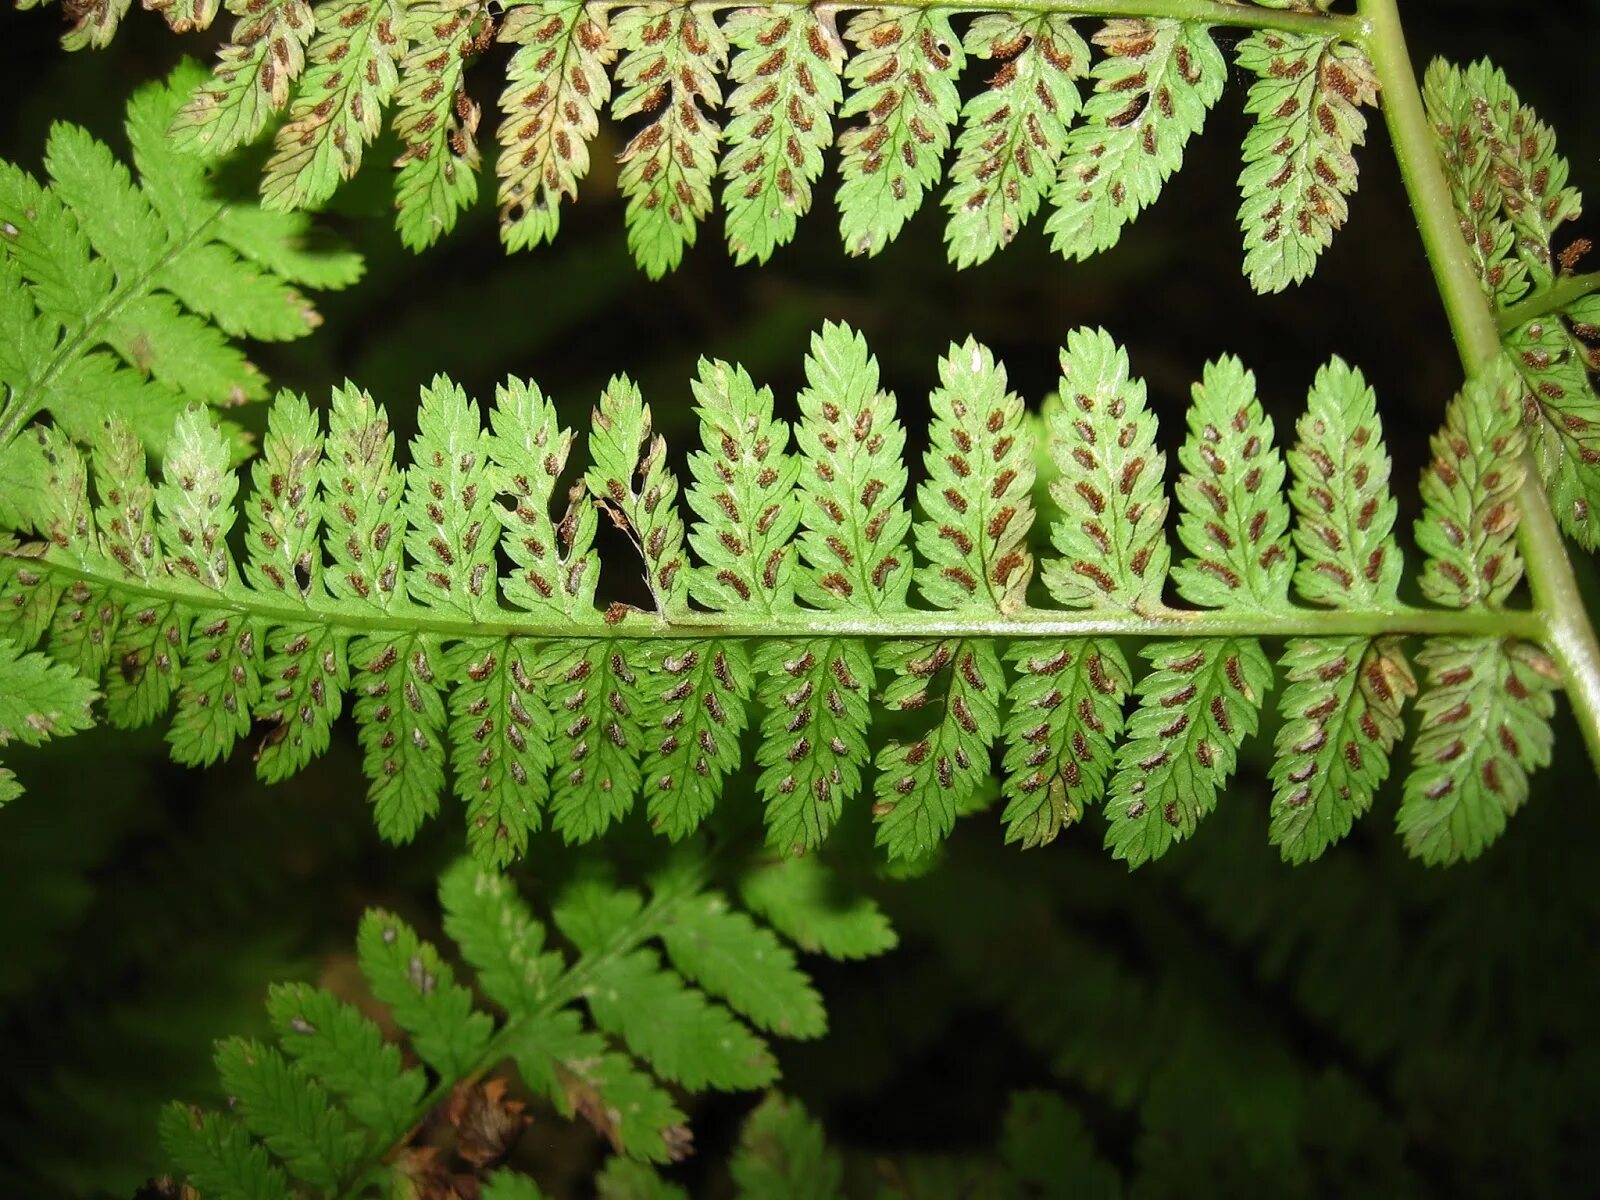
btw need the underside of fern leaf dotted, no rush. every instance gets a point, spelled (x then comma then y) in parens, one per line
(880, 84)
(887, 657)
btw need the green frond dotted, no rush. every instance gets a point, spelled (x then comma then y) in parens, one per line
(1342, 706)
(1108, 484)
(1196, 707)
(1469, 167)
(923, 784)
(1470, 515)
(1013, 132)
(785, 602)
(1565, 436)
(39, 700)
(976, 502)
(1485, 728)
(903, 83)
(853, 520)
(742, 493)
(783, 1155)
(435, 119)
(219, 1156)
(123, 293)
(787, 87)
(1233, 519)
(337, 109)
(556, 85)
(282, 1104)
(1062, 728)
(672, 55)
(633, 485)
(816, 697)
(806, 901)
(1152, 90)
(1299, 168)
(255, 71)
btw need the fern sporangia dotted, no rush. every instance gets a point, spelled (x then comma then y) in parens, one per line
(880, 83)
(802, 593)
(125, 293)
(600, 1010)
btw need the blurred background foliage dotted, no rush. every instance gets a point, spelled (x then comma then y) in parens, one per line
(1218, 1024)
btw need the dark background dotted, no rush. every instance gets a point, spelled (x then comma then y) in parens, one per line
(1225, 1024)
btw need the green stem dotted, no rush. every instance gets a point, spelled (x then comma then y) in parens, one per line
(1570, 636)
(1567, 290)
(353, 619)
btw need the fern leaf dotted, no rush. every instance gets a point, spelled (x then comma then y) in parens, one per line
(782, 1153)
(672, 55)
(1233, 519)
(976, 501)
(252, 80)
(348, 1054)
(595, 696)
(786, 76)
(556, 85)
(218, 1154)
(922, 785)
(1485, 728)
(556, 569)
(94, 24)
(696, 694)
(408, 975)
(500, 738)
(1195, 709)
(1152, 91)
(1108, 484)
(815, 697)
(498, 936)
(853, 521)
(731, 957)
(280, 1103)
(1469, 167)
(1061, 731)
(39, 700)
(1469, 524)
(195, 503)
(1013, 132)
(687, 1039)
(631, 481)
(1566, 432)
(1342, 706)
(1528, 176)
(122, 296)
(1299, 170)
(435, 119)
(903, 82)
(743, 495)
(182, 16)
(338, 107)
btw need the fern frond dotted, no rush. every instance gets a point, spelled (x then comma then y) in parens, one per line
(1152, 91)
(782, 1152)
(1013, 132)
(39, 699)
(1563, 408)
(435, 119)
(124, 295)
(1299, 168)
(788, 87)
(328, 1103)
(1342, 708)
(672, 55)
(904, 85)
(786, 601)
(556, 85)
(886, 93)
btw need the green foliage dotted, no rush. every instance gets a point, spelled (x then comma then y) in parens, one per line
(125, 294)
(328, 1104)
(362, 578)
(883, 87)
(1299, 169)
